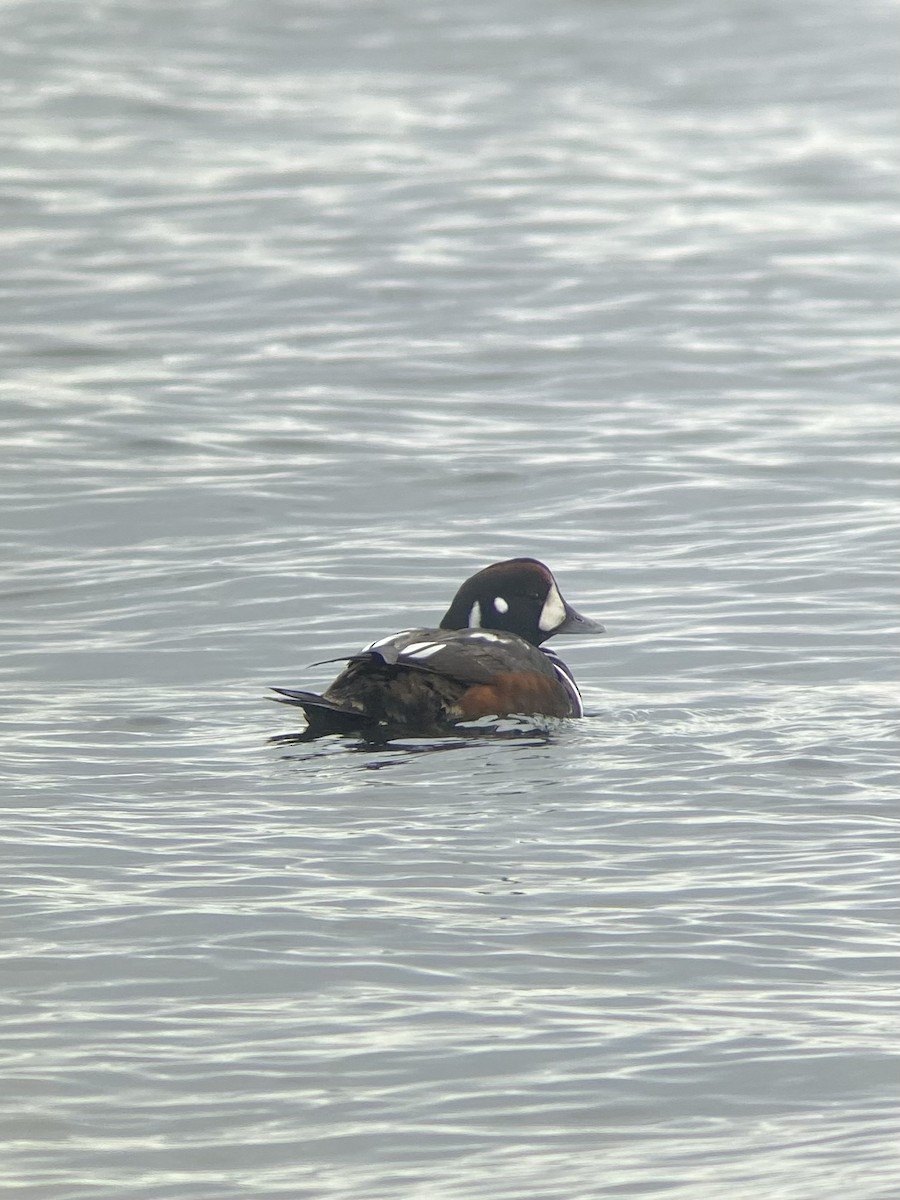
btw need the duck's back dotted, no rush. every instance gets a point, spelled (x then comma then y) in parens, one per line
(426, 679)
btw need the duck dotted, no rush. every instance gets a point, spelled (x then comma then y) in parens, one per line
(485, 659)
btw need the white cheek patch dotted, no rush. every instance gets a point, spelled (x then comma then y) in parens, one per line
(501, 605)
(554, 611)
(475, 616)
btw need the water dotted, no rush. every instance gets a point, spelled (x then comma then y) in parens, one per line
(309, 312)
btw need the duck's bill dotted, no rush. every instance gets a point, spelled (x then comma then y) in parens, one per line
(576, 623)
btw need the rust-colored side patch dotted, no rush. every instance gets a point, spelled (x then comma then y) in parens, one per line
(511, 692)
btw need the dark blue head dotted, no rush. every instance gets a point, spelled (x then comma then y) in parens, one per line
(519, 596)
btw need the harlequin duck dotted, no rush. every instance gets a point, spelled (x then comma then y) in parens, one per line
(484, 660)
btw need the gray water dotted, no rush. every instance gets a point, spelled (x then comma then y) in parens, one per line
(309, 311)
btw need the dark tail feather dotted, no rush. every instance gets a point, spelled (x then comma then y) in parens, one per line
(296, 696)
(323, 716)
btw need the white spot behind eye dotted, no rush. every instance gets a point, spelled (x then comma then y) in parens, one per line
(501, 605)
(475, 616)
(554, 611)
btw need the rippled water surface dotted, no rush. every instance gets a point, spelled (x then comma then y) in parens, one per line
(310, 310)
